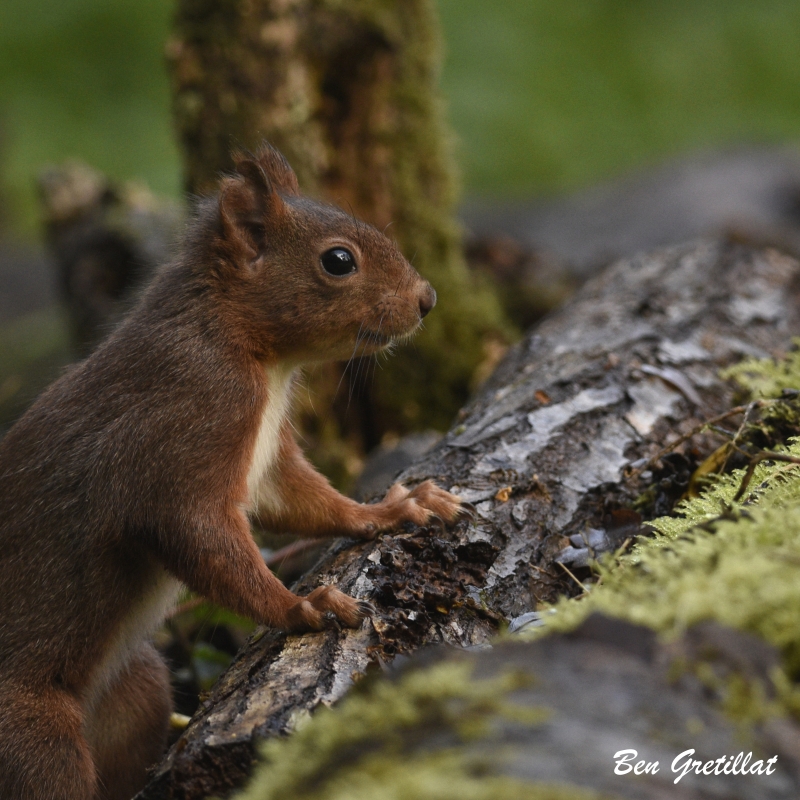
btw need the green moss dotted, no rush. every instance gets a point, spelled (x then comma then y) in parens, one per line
(365, 748)
(767, 377)
(716, 558)
(742, 574)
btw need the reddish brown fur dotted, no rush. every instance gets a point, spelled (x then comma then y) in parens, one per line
(132, 471)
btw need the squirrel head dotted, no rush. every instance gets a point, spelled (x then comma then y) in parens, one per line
(305, 280)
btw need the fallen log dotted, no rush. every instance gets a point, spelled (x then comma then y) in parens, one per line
(553, 452)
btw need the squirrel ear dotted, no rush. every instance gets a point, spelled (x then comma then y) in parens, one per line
(250, 199)
(247, 201)
(241, 212)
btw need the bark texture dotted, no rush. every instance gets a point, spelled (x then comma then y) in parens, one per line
(348, 91)
(544, 451)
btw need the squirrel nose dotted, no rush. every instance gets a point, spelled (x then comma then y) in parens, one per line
(427, 301)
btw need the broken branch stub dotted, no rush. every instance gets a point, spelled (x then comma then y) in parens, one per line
(544, 453)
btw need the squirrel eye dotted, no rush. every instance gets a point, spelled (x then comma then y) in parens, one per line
(338, 261)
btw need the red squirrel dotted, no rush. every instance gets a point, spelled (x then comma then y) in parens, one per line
(140, 469)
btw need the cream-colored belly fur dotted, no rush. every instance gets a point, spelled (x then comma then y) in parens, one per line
(261, 492)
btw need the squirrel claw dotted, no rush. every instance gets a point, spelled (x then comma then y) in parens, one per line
(331, 621)
(366, 608)
(435, 521)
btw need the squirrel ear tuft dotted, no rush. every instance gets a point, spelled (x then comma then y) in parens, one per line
(277, 169)
(254, 174)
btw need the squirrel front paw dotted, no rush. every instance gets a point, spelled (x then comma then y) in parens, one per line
(327, 607)
(423, 505)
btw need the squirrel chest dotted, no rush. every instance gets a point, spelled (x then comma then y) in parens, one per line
(261, 491)
(161, 591)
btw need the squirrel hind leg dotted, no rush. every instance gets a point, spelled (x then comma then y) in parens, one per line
(129, 726)
(43, 753)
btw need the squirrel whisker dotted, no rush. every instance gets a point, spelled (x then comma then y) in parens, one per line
(349, 360)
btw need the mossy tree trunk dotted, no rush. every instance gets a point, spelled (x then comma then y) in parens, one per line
(347, 89)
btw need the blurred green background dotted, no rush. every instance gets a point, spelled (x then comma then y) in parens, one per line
(544, 96)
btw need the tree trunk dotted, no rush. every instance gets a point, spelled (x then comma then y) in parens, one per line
(544, 452)
(348, 91)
